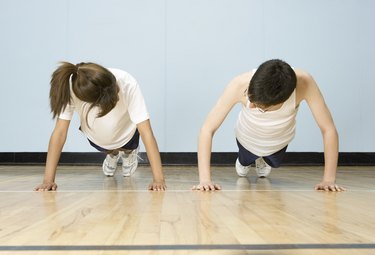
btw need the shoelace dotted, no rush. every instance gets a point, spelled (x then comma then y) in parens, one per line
(131, 157)
(113, 159)
(261, 165)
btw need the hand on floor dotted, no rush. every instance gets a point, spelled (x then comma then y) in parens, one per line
(329, 186)
(157, 186)
(46, 187)
(206, 186)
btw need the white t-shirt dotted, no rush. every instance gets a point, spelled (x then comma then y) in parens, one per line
(117, 127)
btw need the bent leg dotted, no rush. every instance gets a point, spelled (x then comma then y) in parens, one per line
(274, 160)
(245, 157)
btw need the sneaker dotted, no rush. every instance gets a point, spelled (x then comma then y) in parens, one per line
(129, 162)
(262, 168)
(110, 164)
(241, 170)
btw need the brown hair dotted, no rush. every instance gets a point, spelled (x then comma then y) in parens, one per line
(273, 83)
(90, 82)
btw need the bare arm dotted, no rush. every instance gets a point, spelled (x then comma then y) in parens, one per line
(153, 155)
(55, 147)
(233, 94)
(322, 116)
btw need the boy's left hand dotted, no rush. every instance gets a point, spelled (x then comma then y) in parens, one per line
(329, 186)
(157, 186)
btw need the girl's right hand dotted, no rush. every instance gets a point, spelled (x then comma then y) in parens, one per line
(157, 186)
(46, 187)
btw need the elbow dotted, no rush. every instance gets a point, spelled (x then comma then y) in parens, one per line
(331, 133)
(59, 137)
(206, 131)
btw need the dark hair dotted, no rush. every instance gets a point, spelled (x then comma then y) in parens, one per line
(273, 83)
(91, 83)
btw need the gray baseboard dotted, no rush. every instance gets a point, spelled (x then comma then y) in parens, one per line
(186, 158)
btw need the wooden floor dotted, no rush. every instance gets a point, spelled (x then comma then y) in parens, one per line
(93, 214)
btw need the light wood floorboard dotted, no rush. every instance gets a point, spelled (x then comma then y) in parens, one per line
(93, 214)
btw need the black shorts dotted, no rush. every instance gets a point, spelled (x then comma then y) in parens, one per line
(246, 158)
(131, 145)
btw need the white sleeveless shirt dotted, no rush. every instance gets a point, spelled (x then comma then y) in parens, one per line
(266, 133)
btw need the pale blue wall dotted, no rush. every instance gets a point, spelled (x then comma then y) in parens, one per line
(183, 53)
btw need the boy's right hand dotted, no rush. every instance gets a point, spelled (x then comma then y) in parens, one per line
(46, 187)
(206, 186)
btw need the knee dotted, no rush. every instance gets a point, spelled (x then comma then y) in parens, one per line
(271, 163)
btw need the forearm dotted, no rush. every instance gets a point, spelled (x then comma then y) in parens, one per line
(204, 155)
(153, 155)
(331, 145)
(54, 151)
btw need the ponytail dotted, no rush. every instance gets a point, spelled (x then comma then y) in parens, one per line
(59, 94)
(90, 83)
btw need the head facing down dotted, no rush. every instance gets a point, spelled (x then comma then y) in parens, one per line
(91, 83)
(272, 83)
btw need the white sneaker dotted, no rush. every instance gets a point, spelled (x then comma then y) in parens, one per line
(129, 162)
(110, 164)
(262, 168)
(241, 170)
